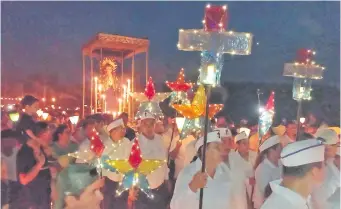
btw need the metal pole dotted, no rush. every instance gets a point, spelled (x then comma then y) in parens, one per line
(298, 116)
(91, 80)
(208, 94)
(83, 97)
(147, 70)
(132, 84)
(122, 65)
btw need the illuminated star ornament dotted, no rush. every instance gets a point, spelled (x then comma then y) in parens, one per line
(94, 153)
(179, 84)
(195, 112)
(197, 107)
(179, 88)
(149, 100)
(214, 41)
(266, 117)
(135, 170)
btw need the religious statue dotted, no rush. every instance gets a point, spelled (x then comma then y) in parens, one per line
(108, 76)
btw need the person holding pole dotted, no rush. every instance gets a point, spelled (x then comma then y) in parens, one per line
(215, 180)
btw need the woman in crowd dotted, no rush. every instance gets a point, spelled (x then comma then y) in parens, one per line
(267, 168)
(62, 145)
(34, 173)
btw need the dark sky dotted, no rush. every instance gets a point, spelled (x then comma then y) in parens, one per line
(40, 35)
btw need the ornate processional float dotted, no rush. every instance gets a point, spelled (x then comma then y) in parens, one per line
(107, 88)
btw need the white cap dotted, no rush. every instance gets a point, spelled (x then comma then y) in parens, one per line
(269, 143)
(114, 124)
(327, 136)
(211, 137)
(246, 130)
(147, 115)
(302, 153)
(224, 132)
(240, 136)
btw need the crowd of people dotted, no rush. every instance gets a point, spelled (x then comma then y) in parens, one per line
(284, 171)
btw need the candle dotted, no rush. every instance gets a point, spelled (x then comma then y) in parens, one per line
(120, 105)
(96, 88)
(124, 97)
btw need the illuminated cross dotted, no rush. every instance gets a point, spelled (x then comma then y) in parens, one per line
(304, 70)
(213, 41)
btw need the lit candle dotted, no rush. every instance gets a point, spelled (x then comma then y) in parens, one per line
(96, 94)
(119, 104)
(124, 96)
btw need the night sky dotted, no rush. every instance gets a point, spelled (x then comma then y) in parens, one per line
(49, 35)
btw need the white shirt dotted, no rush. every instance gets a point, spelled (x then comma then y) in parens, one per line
(168, 142)
(185, 155)
(264, 174)
(284, 198)
(329, 186)
(84, 152)
(119, 150)
(11, 162)
(242, 170)
(154, 149)
(216, 192)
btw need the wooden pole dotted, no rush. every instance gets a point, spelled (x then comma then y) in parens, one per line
(203, 166)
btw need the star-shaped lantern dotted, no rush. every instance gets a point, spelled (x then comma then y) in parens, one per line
(149, 94)
(179, 88)
(135, 170)
(149, 100)
(179, 84)
(266, 117)
(93, 154)
(197, 107)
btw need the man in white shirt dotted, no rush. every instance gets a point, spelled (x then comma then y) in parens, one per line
(215, 181)
(116, 147)
(152, 147)
(330, 185)
(303, 170)
(243, 160)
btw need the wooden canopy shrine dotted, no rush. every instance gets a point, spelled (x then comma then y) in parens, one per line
(116, 46)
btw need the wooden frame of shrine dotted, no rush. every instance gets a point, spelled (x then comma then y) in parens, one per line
(115, 46)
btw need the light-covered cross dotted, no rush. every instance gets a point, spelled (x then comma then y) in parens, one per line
(214, 41)
(304, 70)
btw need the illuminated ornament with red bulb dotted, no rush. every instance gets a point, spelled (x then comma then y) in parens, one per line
(96, 145)
(179, 88)
(213, 41)
(135, 170)
(266, 117)
(304, 70)
(195, 113)
(149, 100)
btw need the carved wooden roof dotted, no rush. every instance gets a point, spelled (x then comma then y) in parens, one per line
(124, 45)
